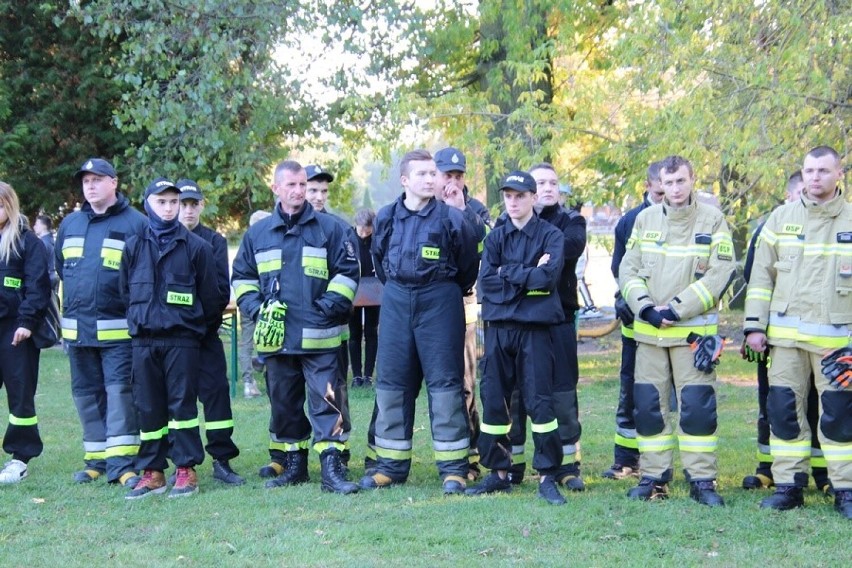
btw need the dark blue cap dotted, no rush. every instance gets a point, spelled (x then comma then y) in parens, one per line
(316, 172)
(97, 166)
(450, 160)
(189, 190)
(519, 181)
(159, 186)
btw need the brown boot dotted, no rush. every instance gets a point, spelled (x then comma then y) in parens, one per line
(186, 483)
(152, 483)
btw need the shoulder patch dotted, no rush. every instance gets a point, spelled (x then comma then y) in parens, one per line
(792, 229)
(349, 247)
(652, 235)
(845, 237)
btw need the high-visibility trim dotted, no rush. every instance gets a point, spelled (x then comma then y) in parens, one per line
(827, 249)
(633, 283)
(570, 453)
(69, 328)
(627, 332)
(116, 451)
(818, 461)
(320, 447)
(544, 428)
(87, 456)
(825, 335)
(315, 262)
(183, 424)
(703, 294)
(268, 261)
(289, 446)
(674, 332)
(219, 424)
(451, 455)
(129, 440)
(393, 444)
(790, 449)
(370, 453)
(495, 429)
(764, 453)
(699, 444)
(517, 450)
(721, 238)
(661, 443)
(463, 444)
(344, 286)
(94, 446)
(155, 435)
(245, 286)
(111, 253)
(393, 454)
(763, 294)
(538, 292)
(674, 251)
(626, 442)
(23, 420)
(12, 282)
(73, 247)
(113, 330)
(314, 338)
(837, 453)
(179, 298)
(430, 253)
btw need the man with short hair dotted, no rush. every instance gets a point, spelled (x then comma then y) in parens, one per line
(295, 275)
(679, 261)
(519, 278)
(799, 308)
(213, 388)
(425, 254)
(625, 448)
(43, 228)
(88, 252)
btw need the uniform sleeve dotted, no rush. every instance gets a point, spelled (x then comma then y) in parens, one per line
(468, 237)
(749, 261)
(220, 258)
(59, 260)
(544, 277)
(703, 294)
(245, 279)
(36, 285)
(762, 278)
(631, 280)
(622, 233)
(344, 274)
(575, 236)
(492, 287)
(207, 286)
(378, 246)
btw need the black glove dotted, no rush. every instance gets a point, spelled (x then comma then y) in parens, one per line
(652, 316)
(706, 349)
(669, 314)
(622, 310)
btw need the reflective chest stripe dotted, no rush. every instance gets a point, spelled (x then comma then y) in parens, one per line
(111, 253)
(107, 330)
(825, 335)
(268, 261)
(73, 247)
(315, 262)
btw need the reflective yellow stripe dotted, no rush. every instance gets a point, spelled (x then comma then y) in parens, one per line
(344, 286)
(636, 283)
(627, 332)
(155, 435)
(662, 443)
(268, 261)
(19, 421)
(495, 429)
(626, 442)
(289, 446)
(219, 424)
(73, 247)
(115, 451)
(818, 461)
(94, 455)
(701, 444)
(451, 455)
(703, 294)
(244, 286)
(111, 258)
(837, 452)
(183, 424)
(544, 428)
(674, 332)
(790, 449)
(764, 294)
(674, 251)
(320, 447)
(321, 338)
(393, 454)
(315, 267)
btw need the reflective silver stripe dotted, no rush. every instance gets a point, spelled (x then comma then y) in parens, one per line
(73, 242)
(402, 445)
(626, 432)
(345, 281)
(451, 446)
(817, 453)
(275, 438)
(67, 323)
(122, 441)
(569, 449)
(237, 283)
(114, 244)
(698, 321)
(268, 255)
(328, 333)
(764, 449)
(94, 446)
(112, 324)
(807, 328)
(518, 450)
(315, 252)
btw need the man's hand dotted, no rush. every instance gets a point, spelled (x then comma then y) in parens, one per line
(659, 316)
(545, 258)
(21, 335)
(756, 341)
(454, 196)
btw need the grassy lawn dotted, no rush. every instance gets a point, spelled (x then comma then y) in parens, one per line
(48, 520)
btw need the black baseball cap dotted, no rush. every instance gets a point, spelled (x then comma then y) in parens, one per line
(189, 190)
(97, 166)
(316, 172)
(450, 160)
(519, 181)
(159, 186)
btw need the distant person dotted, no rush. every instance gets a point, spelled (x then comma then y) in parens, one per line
(364, 323)
(43, 228)
(248, 361)
(24, 296)
(89, 246)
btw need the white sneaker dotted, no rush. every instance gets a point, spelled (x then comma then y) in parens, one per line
(13, 472)
(250, 390)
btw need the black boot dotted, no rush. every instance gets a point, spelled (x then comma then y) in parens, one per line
(843, 503)
(704, 492)
(820, 475)
(295, 471)
(785, 497)
(649, 490)
(516, 473)
(333, 478)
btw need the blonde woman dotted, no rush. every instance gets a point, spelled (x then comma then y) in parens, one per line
(24, 294)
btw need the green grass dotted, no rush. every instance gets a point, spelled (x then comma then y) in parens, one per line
(48, 520)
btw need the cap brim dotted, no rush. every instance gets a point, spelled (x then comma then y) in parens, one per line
(517, 188)
(322, 176)
(451, 168)
(189, 194)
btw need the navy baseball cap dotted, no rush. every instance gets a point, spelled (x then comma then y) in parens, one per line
(97, 166)
(316, 172)
(159, 186)
(519, 181)
(450, 160)
(189, 190)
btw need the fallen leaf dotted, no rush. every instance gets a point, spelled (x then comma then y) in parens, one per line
(38, 500)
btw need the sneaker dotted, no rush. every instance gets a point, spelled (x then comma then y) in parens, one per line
(591, 313)
(621, 471)
(548, 490)
(649, 490)
(129, 479)
(786, 497)
(222, 472)
(454, 485)
(573, 482)
(186, 484)
(151, 483)
(704, 492)
(13, 472)
(491, 483)
(273, 469)
(250, 389)
(357, 381)
(87, 475)
(758, 481)
(843, 503)
(376, 481)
